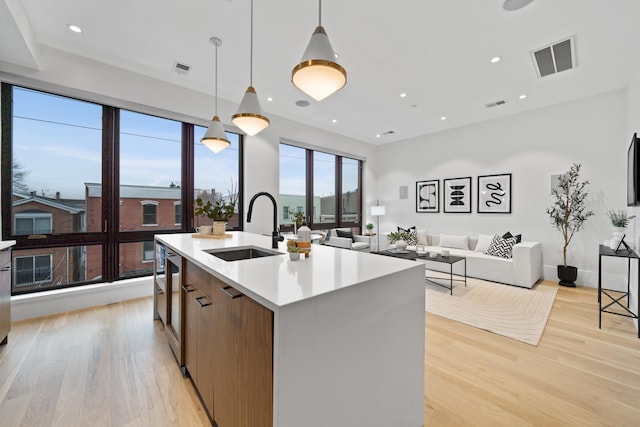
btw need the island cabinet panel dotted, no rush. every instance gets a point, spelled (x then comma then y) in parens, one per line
(243, 380)
(228, 351)
(200, 337)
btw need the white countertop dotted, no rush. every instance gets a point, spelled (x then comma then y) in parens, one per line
(276, 281)
(6, 244)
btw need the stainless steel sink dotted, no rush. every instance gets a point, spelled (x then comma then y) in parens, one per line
(242, 253)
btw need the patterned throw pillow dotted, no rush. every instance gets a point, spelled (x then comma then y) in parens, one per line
(413, 238)
(501, 247)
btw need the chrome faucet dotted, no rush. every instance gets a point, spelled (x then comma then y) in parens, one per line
(275, 235)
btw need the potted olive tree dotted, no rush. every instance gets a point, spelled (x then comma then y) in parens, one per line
(568, 214)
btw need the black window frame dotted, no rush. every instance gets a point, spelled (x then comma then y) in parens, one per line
(109, 238)
(309, 209)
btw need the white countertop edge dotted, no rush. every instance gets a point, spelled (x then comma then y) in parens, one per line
(276, 282)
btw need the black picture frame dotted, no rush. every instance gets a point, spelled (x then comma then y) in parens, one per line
(494, 194)
(428, 196)
(457, 195)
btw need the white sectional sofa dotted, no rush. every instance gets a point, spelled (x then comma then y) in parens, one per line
(523, 269)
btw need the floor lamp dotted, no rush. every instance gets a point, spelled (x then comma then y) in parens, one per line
(378, 211)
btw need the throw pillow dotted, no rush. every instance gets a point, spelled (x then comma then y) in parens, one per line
(342, 233)
(517, 236)
(484, 240)
(422, 237)
(501, 247)
(407, 230)
(455, 242)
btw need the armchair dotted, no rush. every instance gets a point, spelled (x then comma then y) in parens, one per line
(344, 238)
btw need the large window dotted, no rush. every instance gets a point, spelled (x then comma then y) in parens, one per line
(310, 181)
(91, 184)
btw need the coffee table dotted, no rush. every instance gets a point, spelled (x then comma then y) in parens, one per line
(451, 259)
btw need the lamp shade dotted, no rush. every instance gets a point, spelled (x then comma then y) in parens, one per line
(317, 74)
(215, 139)
(377, 211)
(249, 117)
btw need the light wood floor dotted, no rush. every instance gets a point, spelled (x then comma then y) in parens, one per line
(111, 366)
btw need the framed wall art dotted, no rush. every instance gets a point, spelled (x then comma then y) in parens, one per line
(457, 195)
(428, 196)
(494, 193)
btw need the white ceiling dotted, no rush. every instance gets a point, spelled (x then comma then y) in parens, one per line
(437, 51)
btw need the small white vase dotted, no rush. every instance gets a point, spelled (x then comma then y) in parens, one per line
(401, 245)
(618, 234)
(294, 256)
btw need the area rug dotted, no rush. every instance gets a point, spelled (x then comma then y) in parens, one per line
(517, 313)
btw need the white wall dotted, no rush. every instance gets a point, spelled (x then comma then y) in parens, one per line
(531, 146)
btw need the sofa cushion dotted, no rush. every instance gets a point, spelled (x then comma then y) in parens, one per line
(452, 241)
(484, 240)
(501, 247)
(344, 233)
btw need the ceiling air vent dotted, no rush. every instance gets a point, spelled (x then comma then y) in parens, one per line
(495, 104)
(557, 57)
(180, 68)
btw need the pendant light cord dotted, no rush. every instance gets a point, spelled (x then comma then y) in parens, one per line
(251, 50)
(319, 13)
(216, 80)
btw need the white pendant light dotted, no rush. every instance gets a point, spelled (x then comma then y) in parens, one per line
(215, 139)
(318, 74)
(249, 117)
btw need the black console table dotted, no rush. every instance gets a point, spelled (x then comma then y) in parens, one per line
(615, 300)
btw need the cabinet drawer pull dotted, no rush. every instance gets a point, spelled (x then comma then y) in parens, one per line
(202, 304)
(188, 288)
(226, 291)
(5, 268)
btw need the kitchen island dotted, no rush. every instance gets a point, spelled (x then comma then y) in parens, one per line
(335, 339)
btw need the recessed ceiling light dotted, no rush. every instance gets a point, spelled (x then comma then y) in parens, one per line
(523, 96)
(334, 121)
(403, 94)
(515, 4)
(495, 59)
(443, 118)
(378, 136)
(74, 28)
(269, 99)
